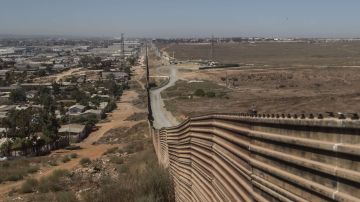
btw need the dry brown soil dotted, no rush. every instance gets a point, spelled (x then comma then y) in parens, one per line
(285, 78)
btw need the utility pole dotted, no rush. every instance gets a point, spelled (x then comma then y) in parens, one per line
(147, 64)
(227, 79)
(212, 48)
(122, 56)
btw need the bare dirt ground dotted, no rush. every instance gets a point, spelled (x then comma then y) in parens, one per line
(90, 74)
(284, 78)
(118, 118)
(272, 53)
(57, 77)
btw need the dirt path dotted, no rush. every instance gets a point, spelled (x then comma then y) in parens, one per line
(162, 117)
(57, 77)
(117, 119)
(66, 73)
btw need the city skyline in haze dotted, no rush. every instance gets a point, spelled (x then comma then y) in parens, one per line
(180, 19)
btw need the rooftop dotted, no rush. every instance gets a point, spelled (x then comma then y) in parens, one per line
(72, 128)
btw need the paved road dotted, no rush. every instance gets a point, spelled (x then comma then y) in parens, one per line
(162, 117)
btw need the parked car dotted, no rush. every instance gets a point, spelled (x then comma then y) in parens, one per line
(94, 128)
(3, 158)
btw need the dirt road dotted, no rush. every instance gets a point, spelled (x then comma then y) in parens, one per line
(162, 117)
(117, 118)
(60, 76)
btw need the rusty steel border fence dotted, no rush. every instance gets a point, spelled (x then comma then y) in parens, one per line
(224, 157)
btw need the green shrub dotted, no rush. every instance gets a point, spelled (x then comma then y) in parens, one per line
(210, 94)
(15, 177)
(111, 151)
(60, 173)
(65, 196)
(65, 159)
(199, 93)
(53, 163)
(33, 169)
(54, 182)
(117, 160)
(85, 161)
(73, 155)
(17, 169)
(123, 168)
(134, 147)
(145, 181)
(5, 165)
(29, 186)
(73, 147)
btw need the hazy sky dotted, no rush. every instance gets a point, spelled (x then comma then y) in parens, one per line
(182, 18)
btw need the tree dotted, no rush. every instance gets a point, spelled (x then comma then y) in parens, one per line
(80, 97)
(9, 77)
(46, 99)
(210, 94)
(22, 126)
(97, 60)
(41, 73)
(18, 95)
(56, 88)
(199, 93)
(50, 127)
(115, 90)
(132, 61)
(6, 147)
(96, 101)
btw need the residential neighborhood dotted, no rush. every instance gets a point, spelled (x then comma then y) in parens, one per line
(63, 86)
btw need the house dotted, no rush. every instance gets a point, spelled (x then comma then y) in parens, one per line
(103, 105)
(4, 97)
(31, 94)
(3, 73)
(103, 97)
(2, 142)
(76, 109)
(74, 132)
(98, 113)
(59, 67)
(116, 75)
(9, 88)
(7, 108)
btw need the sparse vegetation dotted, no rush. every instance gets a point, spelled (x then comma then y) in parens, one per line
(146, 181)
(17, 169)
(53, 163)
(29, 186)
(210, 94)
(134, 147)
(54, 183)
(117, 160)
(199, 93)
(65, 159)
(73, 155)
(111, 151)
(85, 161)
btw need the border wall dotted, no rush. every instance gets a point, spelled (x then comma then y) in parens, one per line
(262, 158)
